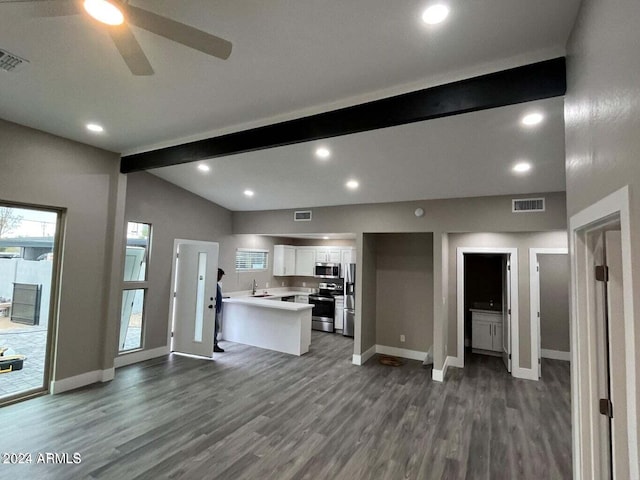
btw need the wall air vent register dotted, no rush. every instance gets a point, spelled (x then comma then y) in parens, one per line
(10, 62)
(522, 205)
(302, 216)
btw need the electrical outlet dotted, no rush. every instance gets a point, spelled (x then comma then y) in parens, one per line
(266, 285)
(283, 284)
(402, 338)
(304, 284)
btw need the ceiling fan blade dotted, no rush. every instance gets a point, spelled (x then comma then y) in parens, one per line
(179, 32)
(130, 50)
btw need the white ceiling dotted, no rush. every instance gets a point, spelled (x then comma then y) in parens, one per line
(458, 156)
(292, 59)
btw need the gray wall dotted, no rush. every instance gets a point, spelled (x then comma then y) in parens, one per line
(554, 302)
(177, 213)
(404, 293)
(477, 214)
(523, 242)
(602, 115)
(173, 213)
(366, 287)
(42, 169)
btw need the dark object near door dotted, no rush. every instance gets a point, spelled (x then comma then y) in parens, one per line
(25, 307)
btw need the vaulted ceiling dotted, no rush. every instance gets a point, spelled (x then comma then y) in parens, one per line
(291, 59)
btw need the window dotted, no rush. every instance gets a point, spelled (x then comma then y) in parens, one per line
(135, 286)
(251, 259)
(135, 268)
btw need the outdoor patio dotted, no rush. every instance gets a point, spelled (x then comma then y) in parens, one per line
(31, 341)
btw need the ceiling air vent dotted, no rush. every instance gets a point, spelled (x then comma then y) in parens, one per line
(11, 62)
(302, 216)
(521, 205)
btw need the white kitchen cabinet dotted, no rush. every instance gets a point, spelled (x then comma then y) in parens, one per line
(327, 255)
(305, 261)
(347, 255)
(486, 330)
(302, 298)
(339, 313)
(284, 260)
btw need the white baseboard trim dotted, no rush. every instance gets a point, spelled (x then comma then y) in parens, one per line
(439, 375)
(456, 362)
(525, 373)
(71, 383)
(555, 354)
(139, 356)
(401, 352)
(361, 359)
(385, 350)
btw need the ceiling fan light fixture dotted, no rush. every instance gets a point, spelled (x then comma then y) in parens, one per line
(104, 11)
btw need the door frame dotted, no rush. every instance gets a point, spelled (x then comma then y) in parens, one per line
(534, 298)
(54, 302)
(458, 361)
(613, 208)
(176, 242)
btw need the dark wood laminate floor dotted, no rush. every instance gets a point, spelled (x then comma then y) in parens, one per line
(256, 414)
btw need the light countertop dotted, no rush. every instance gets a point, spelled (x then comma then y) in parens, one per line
(270, 302)
(480, 310)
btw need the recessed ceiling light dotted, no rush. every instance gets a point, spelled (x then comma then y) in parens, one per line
(104, 11)
(352, 184)
(95, 128)
(522, 167)
(204, 168)
(435, 14)
(248, 193)
(323, 153)
(532, 119)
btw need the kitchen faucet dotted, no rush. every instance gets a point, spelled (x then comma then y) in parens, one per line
(254, 287)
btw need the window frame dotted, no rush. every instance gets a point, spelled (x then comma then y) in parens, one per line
(252, 250)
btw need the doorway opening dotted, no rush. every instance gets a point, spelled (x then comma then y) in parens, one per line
(603, 350)
(549, 304)
(29, 266)
(487, 299)
(485, 304)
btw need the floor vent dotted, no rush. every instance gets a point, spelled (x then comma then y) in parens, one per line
(521, 205)
(11, 62)
(302, 216)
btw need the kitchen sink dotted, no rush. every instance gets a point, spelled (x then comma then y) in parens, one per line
(260, 295)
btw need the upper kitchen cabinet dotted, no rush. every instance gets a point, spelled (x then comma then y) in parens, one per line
(284, 260)
(327, 254)
(305, 261)
(347, 255)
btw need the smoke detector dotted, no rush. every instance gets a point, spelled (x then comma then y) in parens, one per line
(11, 62)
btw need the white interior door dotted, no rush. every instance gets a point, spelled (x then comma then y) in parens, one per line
(506, 317)
(602, 361)
(615, 309)
(196, 275)
(538, 319)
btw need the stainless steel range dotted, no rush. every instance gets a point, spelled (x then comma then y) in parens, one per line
(324, 304)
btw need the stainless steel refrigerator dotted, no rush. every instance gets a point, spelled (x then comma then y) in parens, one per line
(349, 299)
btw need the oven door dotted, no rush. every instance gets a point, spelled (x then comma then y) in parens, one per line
(323, 313)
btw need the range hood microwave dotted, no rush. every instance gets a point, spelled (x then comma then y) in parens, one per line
(327, 270)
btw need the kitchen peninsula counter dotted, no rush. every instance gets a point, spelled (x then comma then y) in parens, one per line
(267, 323)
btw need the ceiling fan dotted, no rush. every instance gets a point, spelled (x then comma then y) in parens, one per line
(118, 15)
